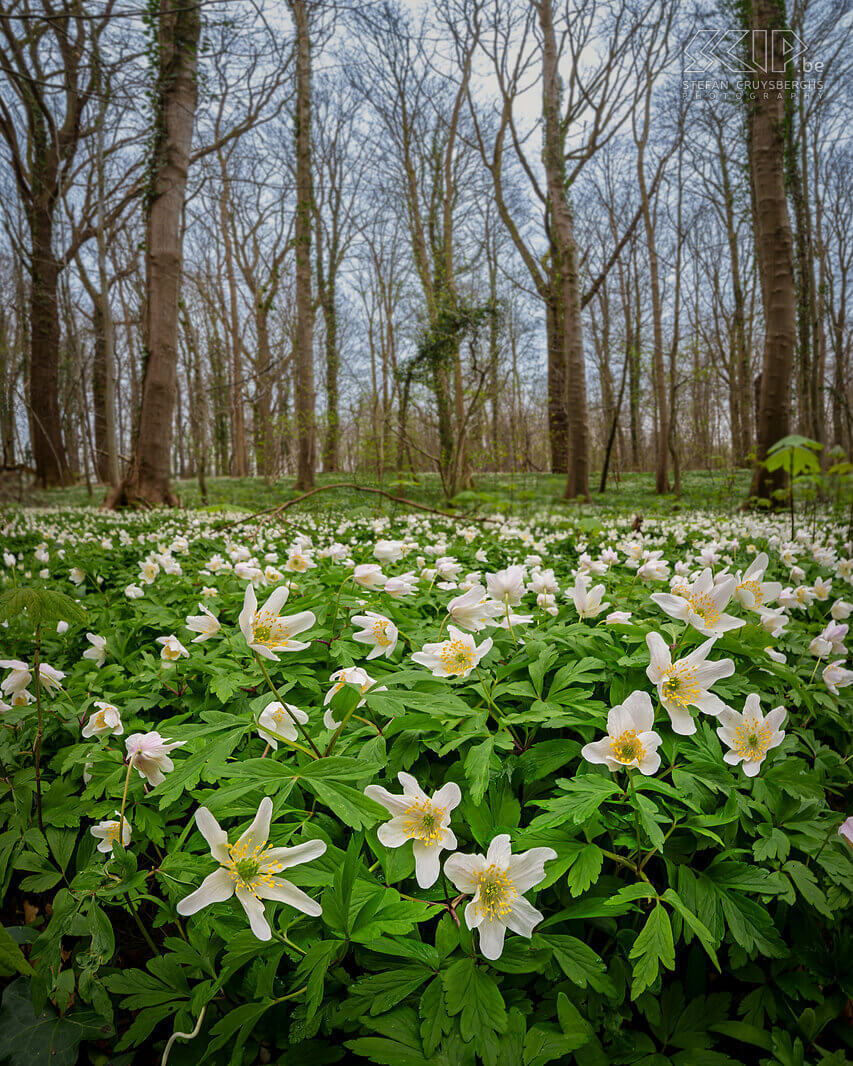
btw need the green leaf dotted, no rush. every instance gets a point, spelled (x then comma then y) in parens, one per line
(578, 961)
(12, 959)
(585, 870)
(807, 886)
(572, 1022)
(314, 966)
(477, 769)
(435, 1021)
(698, 927)
(41, 606)
(350, 804)
(469, 990)
(27, 1038)
(586, 795)
(652, 948)
(386, 1052)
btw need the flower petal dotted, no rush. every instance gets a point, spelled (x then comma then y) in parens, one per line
(215, 888)
(213, 833)
(282, 891)
(255, 913)
(492, 939)
(427, 863)
(528, 868)
(258, 832)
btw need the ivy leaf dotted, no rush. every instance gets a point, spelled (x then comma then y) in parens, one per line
(652, 948)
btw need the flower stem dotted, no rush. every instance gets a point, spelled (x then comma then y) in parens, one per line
(40, 730)
(124, 799)
(300, 726)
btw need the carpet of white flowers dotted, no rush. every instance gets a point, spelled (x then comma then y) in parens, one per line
(413, 791)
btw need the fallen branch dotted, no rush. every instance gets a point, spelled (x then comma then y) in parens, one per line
(271, 512)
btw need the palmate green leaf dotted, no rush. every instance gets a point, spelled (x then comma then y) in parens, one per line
(237, 1026)
(695, 925)
(41, 606)
(807, 886)
(207, 764)
(586, 794)
(573, 1024)
(652, 949)
(470, 992)
(386, 1052)
(350, 804)
(382, 991)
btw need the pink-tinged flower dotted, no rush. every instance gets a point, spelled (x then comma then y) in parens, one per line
(497, 882)
(247, 870)
(105, 721)
(750, 735)
(149, 753)
(845, 830)
(473, 609)
(631, 739)
(420, 819)
(835, 676)
(206, 624)
(618, 618)
(685, 683)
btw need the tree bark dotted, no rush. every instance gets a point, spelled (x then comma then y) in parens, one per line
(303, 363)
(178, 32)
(567, 312)
(774, 246)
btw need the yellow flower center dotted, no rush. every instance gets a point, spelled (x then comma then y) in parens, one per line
(267, 629)
(298, 563)
(457, 657)
(704, 606)
(244, 867)
(680, 684)
(424, 821)
(627, 747)
(755, 588)
(111, 831)
(497, 893)
(170, 651)
(380, 634)
(100, 720)
(752, 739)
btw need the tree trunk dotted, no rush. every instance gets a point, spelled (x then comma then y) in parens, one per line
(303, 363)
(330, 320)
(774, 246)
(179, 29)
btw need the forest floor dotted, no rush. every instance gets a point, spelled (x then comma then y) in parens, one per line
(517, 493)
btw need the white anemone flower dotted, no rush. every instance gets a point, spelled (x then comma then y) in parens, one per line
(134, 592)
(105, 721)
(98, 651)
(268, 631)
(751, 590)
(347, 675)
(149, 753)
(835, 676)
(388, 551)
(473, 609)
(497, 881)
(19, 677)
(247, 869)
(750, 735)
(278, 718)
(377, 631)
(702, 604)
(631, 740)
(106, 833)
(369, 576)
(420, 819)
(206, 624)
(455, 657)
(772, 621)
(587, 600)
(171, 650)
(507, 586)
(685, 683)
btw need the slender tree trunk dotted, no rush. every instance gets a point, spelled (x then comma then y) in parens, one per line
(774, 245)
(564, 254)
(239, 452)
(303, 363)
(333, 421)
(178, 32)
